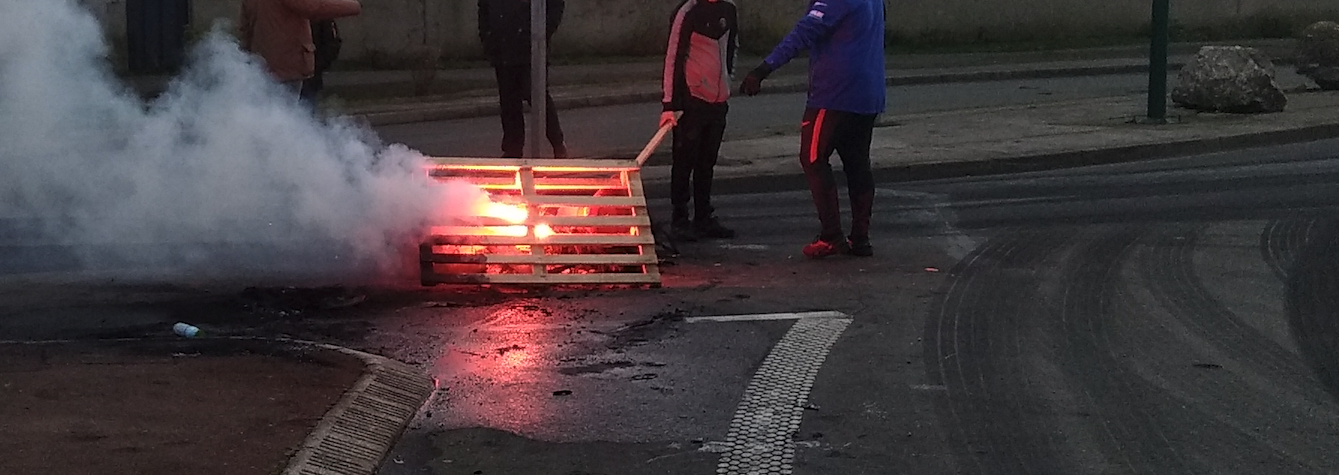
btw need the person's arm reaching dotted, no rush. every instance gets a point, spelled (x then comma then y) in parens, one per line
(674, 85)
(732, 46)
(822, 19)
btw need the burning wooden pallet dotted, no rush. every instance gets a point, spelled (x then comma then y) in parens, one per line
(551, 222)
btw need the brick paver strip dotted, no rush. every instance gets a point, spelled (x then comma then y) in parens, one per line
(356, 434)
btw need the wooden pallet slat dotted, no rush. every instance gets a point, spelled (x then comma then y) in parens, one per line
(551, 220)
(556, 240)
(550, 259)
(540, 165)
(602, 234)
(586, 201)
(596, 279)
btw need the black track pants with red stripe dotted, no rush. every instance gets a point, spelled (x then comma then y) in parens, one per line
(822, 132)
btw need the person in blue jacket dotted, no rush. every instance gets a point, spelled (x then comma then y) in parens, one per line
(846, 95)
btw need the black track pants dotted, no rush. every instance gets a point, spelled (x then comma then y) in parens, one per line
(513, 89)
(697, 145)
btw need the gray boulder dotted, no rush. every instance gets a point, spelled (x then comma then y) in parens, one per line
(1232, 79)
(1318, 54)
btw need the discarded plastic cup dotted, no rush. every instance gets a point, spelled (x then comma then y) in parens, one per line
(186, 330)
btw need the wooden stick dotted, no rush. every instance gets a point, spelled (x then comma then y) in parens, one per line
(655, 141)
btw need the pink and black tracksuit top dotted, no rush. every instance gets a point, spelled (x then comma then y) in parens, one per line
(700, 60)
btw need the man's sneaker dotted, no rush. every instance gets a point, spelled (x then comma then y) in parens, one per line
(860, 247)
(560, 150)
(683, 231)
(820, 248)
(711, 228)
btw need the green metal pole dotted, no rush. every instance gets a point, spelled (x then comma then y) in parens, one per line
(1157, 62)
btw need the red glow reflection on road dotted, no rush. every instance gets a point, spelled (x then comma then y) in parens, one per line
(504, 371)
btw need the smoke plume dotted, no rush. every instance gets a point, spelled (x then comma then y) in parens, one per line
(223, 175)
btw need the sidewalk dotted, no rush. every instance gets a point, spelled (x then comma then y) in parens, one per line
(954, 142)
(382, 97)
(201, 407)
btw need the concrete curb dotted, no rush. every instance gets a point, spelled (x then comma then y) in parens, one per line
(658, 188)
(782, 85)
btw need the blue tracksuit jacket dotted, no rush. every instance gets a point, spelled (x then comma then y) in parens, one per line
(845, 43)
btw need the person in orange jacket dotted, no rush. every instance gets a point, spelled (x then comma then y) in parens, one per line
(279, 31)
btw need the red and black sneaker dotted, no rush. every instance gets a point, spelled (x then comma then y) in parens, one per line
(821, 248)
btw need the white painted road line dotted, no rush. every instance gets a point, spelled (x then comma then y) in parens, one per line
(761, 440)
(746, 247)
(768, 316)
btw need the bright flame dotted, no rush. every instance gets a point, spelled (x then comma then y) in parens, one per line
(543, 231)
(513, 231)
(509, 212)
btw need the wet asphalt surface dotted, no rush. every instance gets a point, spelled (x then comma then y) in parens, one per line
(1175, 316)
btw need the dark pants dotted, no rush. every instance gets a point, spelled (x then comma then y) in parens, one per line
(824, 131)
(312, 87)
(513, 89)
(697, 145)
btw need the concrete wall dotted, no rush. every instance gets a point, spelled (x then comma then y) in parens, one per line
(393, 31)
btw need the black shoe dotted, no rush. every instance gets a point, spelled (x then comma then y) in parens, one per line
(859, 247)
(711, 228)
(683, 231)
(560, 151)
(820, 248)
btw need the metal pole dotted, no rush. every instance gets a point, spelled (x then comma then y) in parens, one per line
(1157, 62)
(539, 78)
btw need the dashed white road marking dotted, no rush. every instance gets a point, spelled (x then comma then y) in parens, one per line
(929, 387)
(746, 247)
(761, 438)
(768, 316)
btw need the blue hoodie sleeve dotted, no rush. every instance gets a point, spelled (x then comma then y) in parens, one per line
(822, 19)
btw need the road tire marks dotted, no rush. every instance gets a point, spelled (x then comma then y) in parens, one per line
(975, 347)
(1313, 302)
(1099, 350)
(1281, 240)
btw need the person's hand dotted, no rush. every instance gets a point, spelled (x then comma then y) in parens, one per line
(752, 84)
(669, 118)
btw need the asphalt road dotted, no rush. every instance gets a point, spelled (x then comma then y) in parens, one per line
(1174, 316)
(1139, 318)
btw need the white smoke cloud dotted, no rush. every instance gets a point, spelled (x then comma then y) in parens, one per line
(222, 175)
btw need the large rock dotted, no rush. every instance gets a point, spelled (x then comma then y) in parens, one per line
(1233, 79)
(1318, 54)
